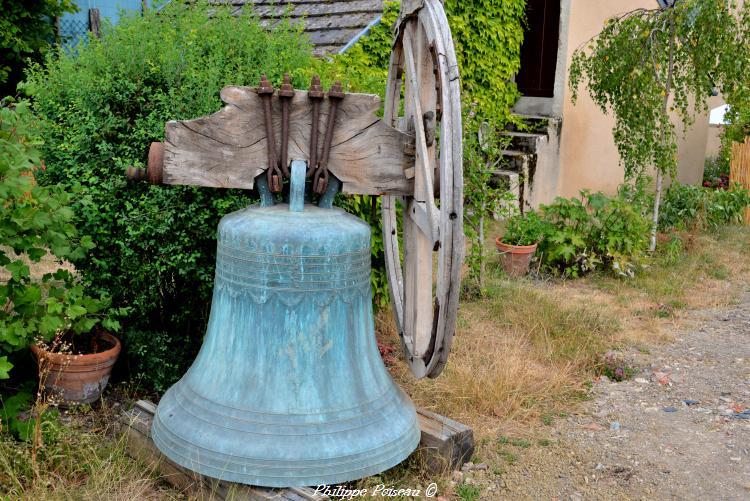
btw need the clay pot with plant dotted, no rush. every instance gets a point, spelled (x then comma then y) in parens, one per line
(517, 246)
(75, 348)
(68, 330)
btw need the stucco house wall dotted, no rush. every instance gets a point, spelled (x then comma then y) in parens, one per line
(586, 157)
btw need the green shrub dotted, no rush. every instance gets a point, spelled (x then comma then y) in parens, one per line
(100, 108)
(525, 229)
(728, 206)
(594, 231)
(683, 206)
(696, 207)
(35, 220)
(564, 248)
(26, 31)
(619, 234)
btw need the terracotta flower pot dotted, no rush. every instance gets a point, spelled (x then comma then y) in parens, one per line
(78, 379)
(515, 259)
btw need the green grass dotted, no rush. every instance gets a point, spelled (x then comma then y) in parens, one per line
(509, 456)
(671, 279)
(469, 492)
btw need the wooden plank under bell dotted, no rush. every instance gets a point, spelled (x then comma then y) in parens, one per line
(446, 445)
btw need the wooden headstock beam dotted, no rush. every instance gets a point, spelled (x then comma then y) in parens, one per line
(228, 149)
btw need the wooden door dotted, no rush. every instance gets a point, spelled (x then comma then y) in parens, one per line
(539, 50)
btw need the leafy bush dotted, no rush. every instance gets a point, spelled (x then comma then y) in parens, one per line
(33, 221)
(728, 206)
(564, 248)
(619, 231)
(525, 229)
(683, 206)
(696, 207)
(594, 231)
(26, 31)
(100, 107)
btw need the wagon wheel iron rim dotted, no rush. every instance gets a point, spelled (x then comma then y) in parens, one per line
(424, 293)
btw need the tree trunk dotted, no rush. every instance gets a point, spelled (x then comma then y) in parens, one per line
(659, 172)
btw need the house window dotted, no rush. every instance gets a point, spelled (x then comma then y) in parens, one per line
(539, 50)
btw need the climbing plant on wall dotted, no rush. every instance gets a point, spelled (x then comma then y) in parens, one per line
(653, 67)
(488, 36)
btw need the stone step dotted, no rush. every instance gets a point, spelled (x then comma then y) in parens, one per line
(526, 142)
(518, 161)
(531, 123)
(513, 182)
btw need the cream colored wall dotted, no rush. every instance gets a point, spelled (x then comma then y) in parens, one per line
(588, 156)
(713, 143)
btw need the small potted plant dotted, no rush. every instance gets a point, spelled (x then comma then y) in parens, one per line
(518, 245)
(75, 348)
(66, 328)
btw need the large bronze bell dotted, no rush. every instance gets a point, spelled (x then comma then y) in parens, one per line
(289, 388)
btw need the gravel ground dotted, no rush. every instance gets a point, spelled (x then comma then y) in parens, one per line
(678, 430)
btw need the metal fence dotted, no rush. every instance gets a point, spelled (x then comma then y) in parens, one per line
(71, 30)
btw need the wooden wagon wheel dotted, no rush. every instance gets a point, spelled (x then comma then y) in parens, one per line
(423, 98)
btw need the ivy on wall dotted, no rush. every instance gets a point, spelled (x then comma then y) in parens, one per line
(488, 36)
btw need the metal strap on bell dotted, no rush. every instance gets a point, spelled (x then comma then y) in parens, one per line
(289, 388)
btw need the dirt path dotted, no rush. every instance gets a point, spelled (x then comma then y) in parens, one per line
(677, 430)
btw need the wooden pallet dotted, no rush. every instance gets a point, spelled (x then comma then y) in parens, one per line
(445, 445)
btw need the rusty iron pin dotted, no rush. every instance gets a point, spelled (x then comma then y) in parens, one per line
(315, 94)
(286, 94)
(154, 171)
(265, 91)
(320, 181)
(135, 173)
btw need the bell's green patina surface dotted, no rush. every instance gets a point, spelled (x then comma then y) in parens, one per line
(289, 388)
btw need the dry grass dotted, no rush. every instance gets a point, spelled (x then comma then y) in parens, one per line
(83, 459)
(517, 355)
